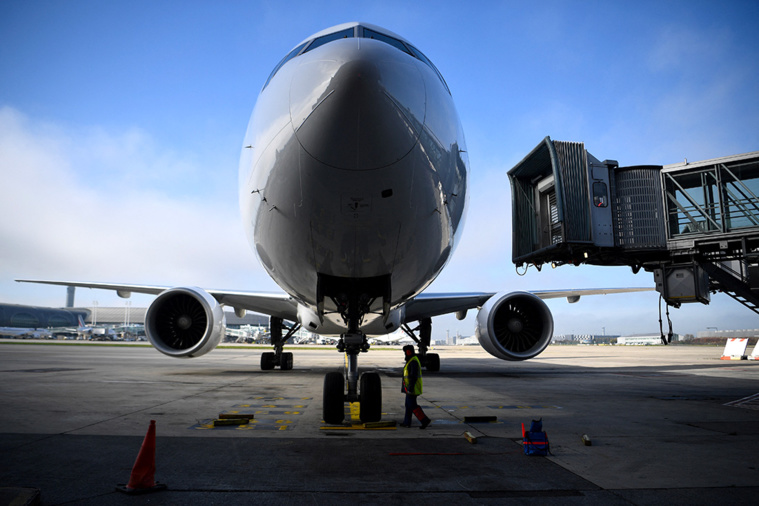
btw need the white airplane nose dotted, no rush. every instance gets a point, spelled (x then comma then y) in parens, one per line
(360, 99)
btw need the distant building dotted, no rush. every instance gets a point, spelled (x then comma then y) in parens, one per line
(467, 341)
(15, 315)
(100, 315)
(583, 339)
(645, 340)
(728, 333)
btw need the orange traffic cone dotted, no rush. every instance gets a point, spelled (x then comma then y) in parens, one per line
(142, 479)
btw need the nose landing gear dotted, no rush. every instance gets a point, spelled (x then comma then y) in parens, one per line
(366, 390)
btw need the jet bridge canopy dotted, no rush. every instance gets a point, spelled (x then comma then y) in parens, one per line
(569, 207)
(695, 225)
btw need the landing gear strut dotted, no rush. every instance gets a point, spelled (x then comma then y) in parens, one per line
(367, 390)
(270, 360)
(430, 361)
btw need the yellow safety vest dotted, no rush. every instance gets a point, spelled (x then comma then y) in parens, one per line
(417, 390)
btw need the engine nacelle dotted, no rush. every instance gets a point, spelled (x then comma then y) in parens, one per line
(185, 322)
(514, 326)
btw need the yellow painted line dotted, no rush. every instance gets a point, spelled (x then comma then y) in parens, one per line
(354, 427)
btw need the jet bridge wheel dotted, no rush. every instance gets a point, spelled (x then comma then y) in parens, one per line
(370, 397)
(333, 407)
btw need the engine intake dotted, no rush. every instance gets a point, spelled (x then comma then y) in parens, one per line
(185, 322)
(514, 326)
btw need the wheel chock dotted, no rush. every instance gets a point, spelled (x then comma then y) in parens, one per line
(469, 437)
(226, 416)
(480, 419)
(586, 440)
(222, 422)
(379, 425)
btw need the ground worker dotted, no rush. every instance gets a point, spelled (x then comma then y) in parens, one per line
(412, 387)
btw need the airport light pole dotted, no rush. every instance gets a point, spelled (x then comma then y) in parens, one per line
(127, 307)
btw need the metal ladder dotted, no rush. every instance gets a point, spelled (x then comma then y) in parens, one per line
(732, 283)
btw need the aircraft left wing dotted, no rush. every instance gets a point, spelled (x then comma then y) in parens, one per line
(509, 325)
(574, 295)
(272, 304)
(427, 305)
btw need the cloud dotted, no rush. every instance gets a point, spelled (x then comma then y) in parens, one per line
(63, 218)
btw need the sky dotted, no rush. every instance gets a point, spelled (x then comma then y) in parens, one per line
(121, 125)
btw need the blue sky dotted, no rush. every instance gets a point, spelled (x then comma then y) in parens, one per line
(121, 126)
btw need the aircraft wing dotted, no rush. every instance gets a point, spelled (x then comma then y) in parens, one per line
(272, 304)
(429, 305)
(425, 305)
(574, 295)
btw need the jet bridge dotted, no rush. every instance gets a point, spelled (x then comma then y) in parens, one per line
(695, 226)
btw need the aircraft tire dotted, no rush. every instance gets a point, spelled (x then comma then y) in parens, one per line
(267, 361)
(333, 407)
(433, 362)
(287, 361)
(370, 397)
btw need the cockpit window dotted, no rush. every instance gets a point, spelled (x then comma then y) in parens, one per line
(342, 34)
(406, 48)
(363, 32)
(292, 54)
(418, 54)
(371, 34)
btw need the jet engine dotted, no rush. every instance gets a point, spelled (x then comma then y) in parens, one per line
(185, 322)
(514, 326)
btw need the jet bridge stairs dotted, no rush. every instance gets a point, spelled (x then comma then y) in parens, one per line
(694, 225)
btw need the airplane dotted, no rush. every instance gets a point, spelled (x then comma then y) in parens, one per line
(80, 330)
(353, 190)
(24, 333)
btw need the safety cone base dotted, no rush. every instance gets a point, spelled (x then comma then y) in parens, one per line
(121, 487)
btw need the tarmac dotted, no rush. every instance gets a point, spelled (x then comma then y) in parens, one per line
(666, 425)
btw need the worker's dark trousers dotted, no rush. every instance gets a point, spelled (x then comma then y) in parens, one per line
(413, 407)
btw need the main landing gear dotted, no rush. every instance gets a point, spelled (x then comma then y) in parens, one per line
(280, 358)
(430, 361)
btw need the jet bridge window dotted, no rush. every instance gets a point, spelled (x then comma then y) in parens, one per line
(600, 195)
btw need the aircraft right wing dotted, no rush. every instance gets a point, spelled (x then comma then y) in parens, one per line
(509, 325)
(427, 305)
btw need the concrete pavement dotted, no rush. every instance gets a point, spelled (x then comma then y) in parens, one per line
(73, 419)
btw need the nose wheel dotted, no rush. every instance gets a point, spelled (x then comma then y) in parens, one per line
(367, 390)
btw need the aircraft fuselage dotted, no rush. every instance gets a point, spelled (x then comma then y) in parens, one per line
(353, 178)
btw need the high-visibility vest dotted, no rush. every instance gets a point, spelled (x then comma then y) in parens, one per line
(417, 387)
